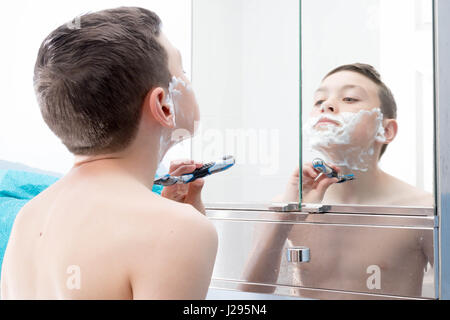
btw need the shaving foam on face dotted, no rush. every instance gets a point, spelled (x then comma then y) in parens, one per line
(172, 100)
(337, 142)
(165, 143)
(170, 97)
(174, 94)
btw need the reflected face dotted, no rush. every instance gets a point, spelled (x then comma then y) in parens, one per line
(346, 123)
(181, 97)
(347, 96)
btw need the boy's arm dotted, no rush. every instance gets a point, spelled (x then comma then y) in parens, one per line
(263, 265)
(176, 262)
(427, 246)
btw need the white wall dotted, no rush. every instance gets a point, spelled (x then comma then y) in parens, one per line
(24, 137)
(395, 36)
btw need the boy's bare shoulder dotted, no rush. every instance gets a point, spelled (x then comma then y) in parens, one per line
(155, 217)
(405, 194)
(170, 250)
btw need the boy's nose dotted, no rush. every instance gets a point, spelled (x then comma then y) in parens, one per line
(328, 107)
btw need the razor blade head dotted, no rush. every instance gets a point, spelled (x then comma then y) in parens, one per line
(322, 167)
(166, 181)
(318, 163)
(229, 159)
(346, 178)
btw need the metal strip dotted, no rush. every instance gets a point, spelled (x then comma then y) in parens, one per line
(411, 211)
(428, 222)
(442, 85)
(280, 290)
(332, 208)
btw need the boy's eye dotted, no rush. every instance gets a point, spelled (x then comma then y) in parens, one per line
(318, 103)
(348, 99)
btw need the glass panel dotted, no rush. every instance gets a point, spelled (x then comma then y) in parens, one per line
(375, 260)
(349, 116)
(246, 78)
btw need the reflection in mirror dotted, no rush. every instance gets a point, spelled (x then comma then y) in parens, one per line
(367, 259)
(367, 102)
(245, 71)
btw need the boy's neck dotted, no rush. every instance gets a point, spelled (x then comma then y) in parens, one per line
(359, 191)
(139, 160)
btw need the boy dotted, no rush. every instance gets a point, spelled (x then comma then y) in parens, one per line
(352, 122)
(114, 91)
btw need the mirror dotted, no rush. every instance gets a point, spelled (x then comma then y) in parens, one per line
(377, 256)
(348, 257)
(349, 116)
(245, 72)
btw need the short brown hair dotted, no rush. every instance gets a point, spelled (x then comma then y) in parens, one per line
(388, 105)
(91, 79)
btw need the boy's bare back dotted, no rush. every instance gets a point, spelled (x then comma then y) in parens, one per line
(107, 237)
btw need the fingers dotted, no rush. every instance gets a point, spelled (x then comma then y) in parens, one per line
(194, 195)
(296, 172)
(325, 183)
(180, 167)
(309, 175)
(174, 165)
(196, 186)
(316, 191)
(315, 184)
(177, 163)
(186, 193)
(338, 170)
(309, 172)
(176, 192)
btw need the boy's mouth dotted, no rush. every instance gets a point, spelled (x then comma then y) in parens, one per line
(325, 121)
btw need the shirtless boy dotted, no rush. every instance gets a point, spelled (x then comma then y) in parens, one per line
(114, 92)
(352, 122)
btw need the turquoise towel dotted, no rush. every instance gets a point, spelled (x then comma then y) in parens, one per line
(16, 189)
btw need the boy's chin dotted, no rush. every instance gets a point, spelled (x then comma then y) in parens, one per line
(335, 149)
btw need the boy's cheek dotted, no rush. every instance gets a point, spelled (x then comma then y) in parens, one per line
(188, 114)
(364, 131)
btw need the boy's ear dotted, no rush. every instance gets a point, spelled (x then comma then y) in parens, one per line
(390, 130)
(156, 102)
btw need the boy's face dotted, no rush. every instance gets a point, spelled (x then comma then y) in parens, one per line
(347, 91)
(346, 103)
(184, 102)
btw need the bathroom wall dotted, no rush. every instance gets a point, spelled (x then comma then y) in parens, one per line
(24, 137)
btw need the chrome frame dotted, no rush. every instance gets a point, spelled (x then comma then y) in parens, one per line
(282, 290)
(442, 96)
(332, 208)
(352, 219)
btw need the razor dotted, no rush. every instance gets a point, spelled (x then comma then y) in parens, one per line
(207, 169)
(325, 169)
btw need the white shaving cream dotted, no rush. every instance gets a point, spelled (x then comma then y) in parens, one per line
(335, 141)
(172, 100)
